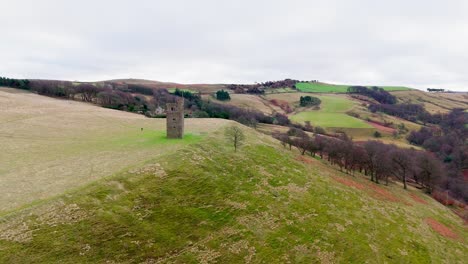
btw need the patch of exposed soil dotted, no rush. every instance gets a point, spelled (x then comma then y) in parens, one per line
(305, 159)
(441, 228)
(383, 194)
(374, 190)
(349, 183)
(417, 199)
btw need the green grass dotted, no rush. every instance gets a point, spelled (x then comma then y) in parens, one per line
(332, 113)
(334, 88)
(172, 90)
(150, 138)
(321, 88)
(206, 203)
(329, 120)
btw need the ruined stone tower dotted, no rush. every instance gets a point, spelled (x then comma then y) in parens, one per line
(175, 118)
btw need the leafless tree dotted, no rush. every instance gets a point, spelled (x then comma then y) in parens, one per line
(235, 136)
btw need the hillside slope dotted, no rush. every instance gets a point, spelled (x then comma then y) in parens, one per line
(205, 203)
(434, 102)
(50, 145)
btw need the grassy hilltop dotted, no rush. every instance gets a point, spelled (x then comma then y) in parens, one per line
(318, 87)
(201, 202)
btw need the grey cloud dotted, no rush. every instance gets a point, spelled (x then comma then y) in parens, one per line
(415, 43)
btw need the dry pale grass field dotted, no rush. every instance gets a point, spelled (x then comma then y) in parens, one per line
(434, 102)
(50, 145)
(249, 101)
(291, 98)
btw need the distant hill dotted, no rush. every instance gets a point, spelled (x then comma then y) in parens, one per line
(204, 88)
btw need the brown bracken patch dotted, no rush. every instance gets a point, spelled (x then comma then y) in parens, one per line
(381, 127)
(441, 228)
(374, 190)
(305, 159)
(417, 198)
(384, 194)
(349, 183)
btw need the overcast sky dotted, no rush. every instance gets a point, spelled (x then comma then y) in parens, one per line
(419, 43)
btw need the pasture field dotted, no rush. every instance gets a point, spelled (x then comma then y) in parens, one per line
(329, 120)
(50, 145)
(291, 98)
(280, 90)
(332, 114)
(335, 88)
(265, 205)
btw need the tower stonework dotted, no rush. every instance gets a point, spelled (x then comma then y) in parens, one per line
(175, 118)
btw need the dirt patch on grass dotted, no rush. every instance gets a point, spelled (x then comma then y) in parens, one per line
(350, 183)
(417, 199)
(441, 228)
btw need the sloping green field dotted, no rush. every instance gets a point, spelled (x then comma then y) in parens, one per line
(206, 203)
(332, 113)
(335, 88)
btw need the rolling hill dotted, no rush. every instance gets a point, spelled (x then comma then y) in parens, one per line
(149, 200)
(50, 145)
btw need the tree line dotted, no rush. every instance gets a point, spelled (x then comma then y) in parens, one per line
(259, 88)
(15, 83)
(448, 143)
(435, 90)
(378, 94)
(375, 159)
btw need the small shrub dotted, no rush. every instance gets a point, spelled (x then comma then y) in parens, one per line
(223, 95)
(319, 130)
(309, 101)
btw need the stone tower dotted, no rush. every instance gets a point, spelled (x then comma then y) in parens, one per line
(175, 118)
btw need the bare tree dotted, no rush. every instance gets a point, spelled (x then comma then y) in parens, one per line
(88, 91)
(402, 164)
(430, 170)
(302, 143)
(235, 136)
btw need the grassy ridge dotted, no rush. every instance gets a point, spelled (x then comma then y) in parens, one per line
(261, 206)
(332, 113)
(335, 88)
